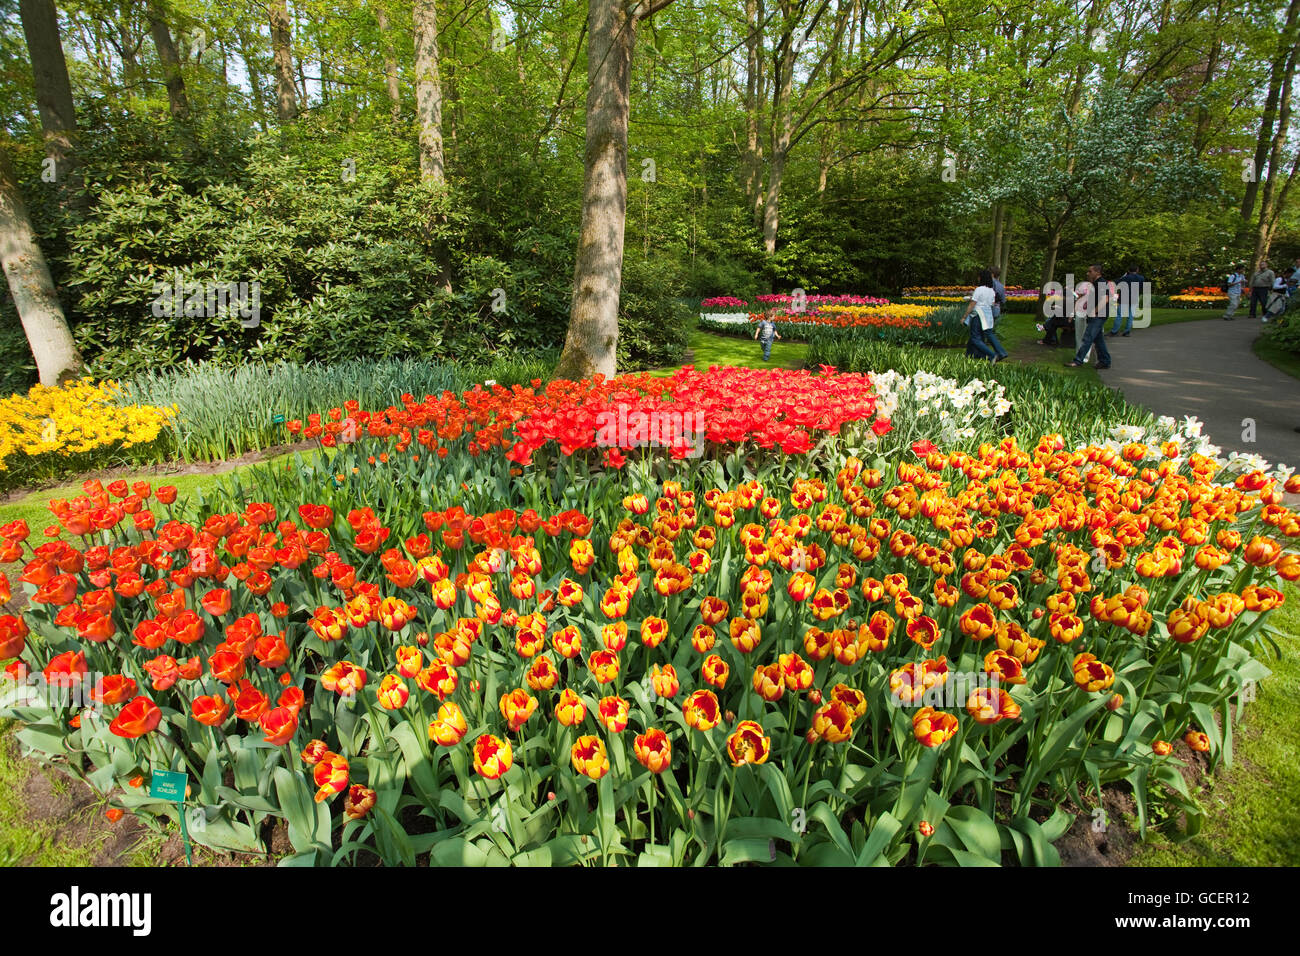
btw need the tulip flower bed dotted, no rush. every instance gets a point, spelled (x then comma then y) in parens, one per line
(915, 324)
(732, 304)
(1019, 300)
(442, 647)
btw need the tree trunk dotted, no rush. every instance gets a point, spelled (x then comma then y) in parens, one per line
(591, 345)
(1049, 267)
(282, 46)
(751, 165)
(823, 160)
(254, 79)
(775, 175)
(1004, 261)
(390, 65)
(223, 94)
(1268, 208)
(127, 48)
(324, 70)
(999, 210)
(428, 92)
(1280, 203)
(53, 89)
(1275, 81)
(57, 358)
(1201, 137)
(782, 132)
(171, 64)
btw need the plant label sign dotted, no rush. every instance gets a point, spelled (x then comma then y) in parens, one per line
(168, 785)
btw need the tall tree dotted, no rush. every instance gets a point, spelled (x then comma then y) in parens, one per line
(591, 345)
(752, 158)
(53, 89)
(31, 286)
(1278, 69)
(391, 75)
(428, 92)
(1269, 208)
(286, 104)
(171, 62)
(902, 30)
(247, 54)
(1101, 158)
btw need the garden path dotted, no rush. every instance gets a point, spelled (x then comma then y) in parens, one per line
(1207, 369)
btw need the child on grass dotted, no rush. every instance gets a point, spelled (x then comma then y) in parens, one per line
(766, 332)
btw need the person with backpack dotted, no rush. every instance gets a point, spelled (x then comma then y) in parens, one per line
(1093, 298)
(1236, 279)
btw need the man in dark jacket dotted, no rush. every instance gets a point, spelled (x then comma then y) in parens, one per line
(1129, 288)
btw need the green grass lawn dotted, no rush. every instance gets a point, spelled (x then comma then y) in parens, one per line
(1253, 810)
(708, 348)
(21, 840)
(34, 508)
(1288, 362)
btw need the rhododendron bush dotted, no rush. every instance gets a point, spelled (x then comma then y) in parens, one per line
(424, 647)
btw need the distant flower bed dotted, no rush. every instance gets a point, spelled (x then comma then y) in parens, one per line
(932, 325)
(722, 303)
(951, 293)
(1199, 298)
(821, 300)
(810, 303)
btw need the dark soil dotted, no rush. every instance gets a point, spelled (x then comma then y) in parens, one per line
(76, 814)
(1095, 840)
(1113, 840)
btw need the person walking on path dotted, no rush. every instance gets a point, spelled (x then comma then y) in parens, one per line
(1129, 288)
(983, 342)
(765, 334)
(1261, 284)
(1093, 301)
(1236, 279)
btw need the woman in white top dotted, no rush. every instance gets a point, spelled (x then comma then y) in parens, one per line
(983, 341)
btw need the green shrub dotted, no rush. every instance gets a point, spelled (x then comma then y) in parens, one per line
(654, 322)
(1284, 332)
(17, 366)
